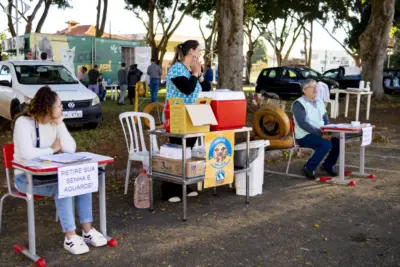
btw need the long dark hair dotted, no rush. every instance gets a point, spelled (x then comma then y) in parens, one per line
(183, 49)
(41, 105)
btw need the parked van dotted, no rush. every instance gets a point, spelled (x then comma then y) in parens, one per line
(20, 80)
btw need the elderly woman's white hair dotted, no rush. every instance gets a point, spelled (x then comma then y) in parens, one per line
(307, 83)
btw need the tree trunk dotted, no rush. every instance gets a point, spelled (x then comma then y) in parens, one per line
(103, 18)
(305, 45)
(249, 64)
(311, 43)
(9, 20)
(278, 55)
(44, 16)
(28, 27)
(98, 18)
(373, 43)
(230, 45)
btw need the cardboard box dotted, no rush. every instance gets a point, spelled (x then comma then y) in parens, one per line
(173, 151)
(195, 167)
(194, 118)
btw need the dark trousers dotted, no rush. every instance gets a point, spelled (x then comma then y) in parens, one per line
(131, 93)
(175, 190)
(321, 147)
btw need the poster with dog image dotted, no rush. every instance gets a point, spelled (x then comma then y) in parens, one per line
(219, 161)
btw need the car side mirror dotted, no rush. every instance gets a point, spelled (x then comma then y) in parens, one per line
(5, 83)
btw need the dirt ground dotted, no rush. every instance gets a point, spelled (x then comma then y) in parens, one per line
(294, 222)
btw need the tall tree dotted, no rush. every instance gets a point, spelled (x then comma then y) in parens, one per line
(255, 25)
(29, 19)
(260, 53)
(167, 13)
(103, 14)
(230, 44)
(374, 41)
(205, 11)
(278, 36)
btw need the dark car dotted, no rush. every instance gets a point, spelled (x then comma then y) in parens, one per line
(389, 80)
(343, 77)
(390, 85)
(287, 81)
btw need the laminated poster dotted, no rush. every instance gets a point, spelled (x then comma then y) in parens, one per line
(219, 158)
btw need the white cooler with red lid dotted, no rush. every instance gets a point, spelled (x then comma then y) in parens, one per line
(229, 108)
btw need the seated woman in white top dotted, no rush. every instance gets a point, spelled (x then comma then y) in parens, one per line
(40, 131)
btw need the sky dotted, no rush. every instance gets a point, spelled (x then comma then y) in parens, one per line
(124, 21)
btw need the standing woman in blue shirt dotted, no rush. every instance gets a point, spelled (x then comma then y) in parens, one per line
(183, 82)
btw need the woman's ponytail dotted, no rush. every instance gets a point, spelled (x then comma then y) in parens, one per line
(178, 54)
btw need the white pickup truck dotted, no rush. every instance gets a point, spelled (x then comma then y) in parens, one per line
(20, 80)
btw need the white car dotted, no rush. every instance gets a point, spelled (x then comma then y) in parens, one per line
(20, 80)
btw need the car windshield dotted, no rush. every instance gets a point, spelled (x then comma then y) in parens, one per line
(309, 73)
(43, 74)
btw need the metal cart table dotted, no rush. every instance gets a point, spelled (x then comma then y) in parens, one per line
(183, 180)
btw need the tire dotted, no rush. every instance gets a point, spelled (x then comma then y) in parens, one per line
(285, 142)
(275, 116)
(158, 109)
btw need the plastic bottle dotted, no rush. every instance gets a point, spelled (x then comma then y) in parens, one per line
(141, 195)
(167, 117)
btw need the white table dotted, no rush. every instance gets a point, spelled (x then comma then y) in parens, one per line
(342, 132)
(113, 91)
(358, 93)
(53, 169)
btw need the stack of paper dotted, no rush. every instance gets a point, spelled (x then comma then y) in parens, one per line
(174, 151)
(64, 158)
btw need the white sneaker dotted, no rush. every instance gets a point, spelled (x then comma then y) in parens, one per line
(94, 238)
(76, 245)
(193, 194)
(174, 199)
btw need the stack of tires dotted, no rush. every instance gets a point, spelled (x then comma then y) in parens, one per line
(273, 124)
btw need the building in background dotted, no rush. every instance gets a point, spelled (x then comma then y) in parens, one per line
(74, 29)
(323, 60)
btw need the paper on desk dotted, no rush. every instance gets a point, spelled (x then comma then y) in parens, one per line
(339, 125)
(38, 164)
(366, 136)
(64, 158)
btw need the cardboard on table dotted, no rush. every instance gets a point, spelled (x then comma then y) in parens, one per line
(194, 118)
(195, 167)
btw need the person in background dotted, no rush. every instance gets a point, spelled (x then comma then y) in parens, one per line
(28, 55)
(93, 75)
(81, 74)
(205, 84)
(102, 90)
(154, 71)
(40, 131)
(134, 75)
(309, 116)
(123, 82)
(43, 56)
(183, 82)
(209, 75)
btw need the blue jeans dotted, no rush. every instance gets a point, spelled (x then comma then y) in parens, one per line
(64, 205)
(154, 87)
(321, 147)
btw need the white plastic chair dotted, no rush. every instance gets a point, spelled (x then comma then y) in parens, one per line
(131, 123)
